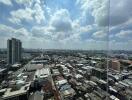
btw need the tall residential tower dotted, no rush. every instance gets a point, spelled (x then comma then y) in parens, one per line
(14, 50)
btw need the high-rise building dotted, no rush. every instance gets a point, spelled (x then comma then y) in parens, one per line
(114, 64)
(14, 50)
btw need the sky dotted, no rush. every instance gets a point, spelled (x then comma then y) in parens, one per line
(67, 24)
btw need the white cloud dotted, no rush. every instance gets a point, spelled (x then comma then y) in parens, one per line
(61, 21)
(32, 12)
(126, 34)
(84, 29)
(61, 30)
(99, 34)
(97, 8)
(8, 31)
(6, 2)
(21, 14)
(61, 27)
(38, 13)
(22, 32)
(42, 32)
(120, 11)
(23, 1)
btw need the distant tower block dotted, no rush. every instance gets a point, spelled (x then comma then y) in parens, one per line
(14, 50)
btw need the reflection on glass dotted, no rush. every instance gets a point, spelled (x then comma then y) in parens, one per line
(65, 50)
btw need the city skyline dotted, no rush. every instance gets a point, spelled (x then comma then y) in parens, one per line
(65, 50)
(67, 24)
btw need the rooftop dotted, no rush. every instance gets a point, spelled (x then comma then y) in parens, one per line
(41, 73)
(9, 93)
